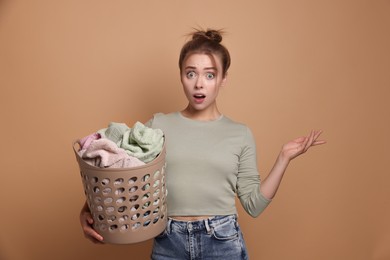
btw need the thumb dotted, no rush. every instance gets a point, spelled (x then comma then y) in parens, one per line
(90, 219)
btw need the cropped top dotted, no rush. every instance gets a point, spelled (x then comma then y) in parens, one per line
(208, 164)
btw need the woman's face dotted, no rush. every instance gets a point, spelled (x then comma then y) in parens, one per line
(201, 76)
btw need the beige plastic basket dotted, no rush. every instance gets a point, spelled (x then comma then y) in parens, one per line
(128, 205)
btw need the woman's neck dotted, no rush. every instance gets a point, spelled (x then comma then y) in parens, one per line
(210, 114)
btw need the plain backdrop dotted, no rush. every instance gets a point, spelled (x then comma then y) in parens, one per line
(68, 68)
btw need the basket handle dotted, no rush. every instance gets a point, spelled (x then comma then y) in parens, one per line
(74, 143)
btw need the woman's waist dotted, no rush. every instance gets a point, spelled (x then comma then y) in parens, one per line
(190, 218)
(208, 223)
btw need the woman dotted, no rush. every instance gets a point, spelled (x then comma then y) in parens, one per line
(210, 160)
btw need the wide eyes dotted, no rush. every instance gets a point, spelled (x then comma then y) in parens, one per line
(210, 75)
(192, 75)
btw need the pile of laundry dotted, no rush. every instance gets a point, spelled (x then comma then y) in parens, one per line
(119, 146)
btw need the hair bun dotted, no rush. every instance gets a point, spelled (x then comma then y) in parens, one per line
(211, 35)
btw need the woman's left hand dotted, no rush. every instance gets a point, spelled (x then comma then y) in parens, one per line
(300, 145)
(289, 151)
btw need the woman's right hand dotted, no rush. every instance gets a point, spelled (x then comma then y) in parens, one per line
(86, 221)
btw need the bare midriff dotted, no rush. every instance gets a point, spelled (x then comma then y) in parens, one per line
(190, 218)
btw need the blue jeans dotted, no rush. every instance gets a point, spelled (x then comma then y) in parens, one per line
(215, 238)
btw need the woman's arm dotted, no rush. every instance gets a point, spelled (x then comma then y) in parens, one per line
(290, 150)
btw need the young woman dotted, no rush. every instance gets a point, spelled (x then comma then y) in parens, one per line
(210, 160)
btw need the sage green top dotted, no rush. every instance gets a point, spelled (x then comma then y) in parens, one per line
(208, 163)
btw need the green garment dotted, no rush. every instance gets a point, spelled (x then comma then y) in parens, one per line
(140, 141)
(208, 164)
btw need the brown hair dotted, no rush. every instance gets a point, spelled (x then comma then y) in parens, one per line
(207, 42)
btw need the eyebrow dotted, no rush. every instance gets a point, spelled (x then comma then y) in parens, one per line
(207, 68)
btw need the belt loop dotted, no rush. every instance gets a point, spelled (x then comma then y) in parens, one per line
(169, 225)
(206, 223)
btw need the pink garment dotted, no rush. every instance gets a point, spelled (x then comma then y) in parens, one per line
(105, 153)
(86, 141)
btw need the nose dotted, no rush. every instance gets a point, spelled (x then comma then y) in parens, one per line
(199, 83)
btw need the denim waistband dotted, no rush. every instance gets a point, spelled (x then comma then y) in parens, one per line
(198, 225)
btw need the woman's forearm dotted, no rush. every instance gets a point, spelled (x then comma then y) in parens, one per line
(269, 186)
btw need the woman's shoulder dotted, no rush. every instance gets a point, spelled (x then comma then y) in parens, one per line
(163, 116)
(159, 118)
(234, 123)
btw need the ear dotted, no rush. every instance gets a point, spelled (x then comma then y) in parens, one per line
(223, 83)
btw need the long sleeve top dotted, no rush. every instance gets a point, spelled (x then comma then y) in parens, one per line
(208, 164)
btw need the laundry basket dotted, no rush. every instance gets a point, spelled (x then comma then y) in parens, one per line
(128, 205)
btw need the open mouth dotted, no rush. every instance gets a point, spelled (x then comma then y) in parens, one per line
(199, 98)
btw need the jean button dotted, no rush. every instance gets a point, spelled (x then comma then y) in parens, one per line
(190, 225)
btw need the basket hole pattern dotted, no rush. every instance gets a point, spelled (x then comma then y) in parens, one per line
(115, 206)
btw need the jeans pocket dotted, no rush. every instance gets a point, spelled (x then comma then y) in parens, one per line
(225, 231)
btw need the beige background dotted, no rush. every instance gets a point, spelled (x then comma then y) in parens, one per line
(68, 68)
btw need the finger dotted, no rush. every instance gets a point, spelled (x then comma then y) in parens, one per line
(310, 140)
(90, 219)
(94, 240)
(91, 234)
(97, 237)
(319, 142)
(317, 134)
(314, 141)
(302, 142)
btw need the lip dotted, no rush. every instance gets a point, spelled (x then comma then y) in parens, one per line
(199, 100)
(198, 94)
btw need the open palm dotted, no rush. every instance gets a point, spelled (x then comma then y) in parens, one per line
(300, 145)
